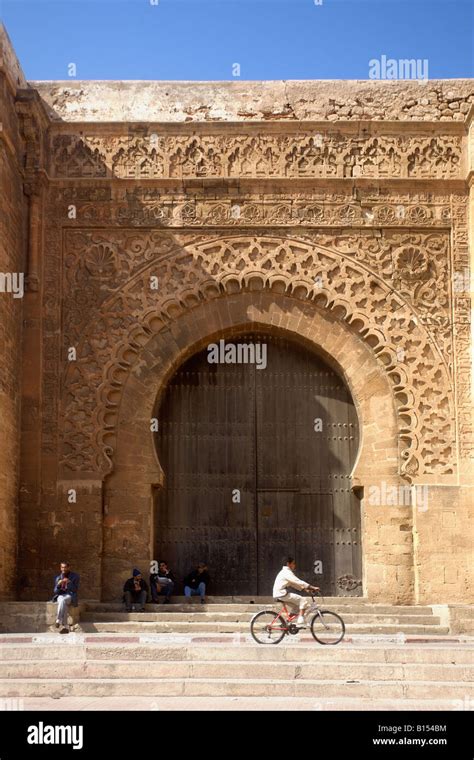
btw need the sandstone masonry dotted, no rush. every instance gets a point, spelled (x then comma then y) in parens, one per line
(338, 212)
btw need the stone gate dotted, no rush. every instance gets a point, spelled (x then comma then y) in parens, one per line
(153, 218)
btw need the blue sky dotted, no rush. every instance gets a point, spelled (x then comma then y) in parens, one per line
(269, 39)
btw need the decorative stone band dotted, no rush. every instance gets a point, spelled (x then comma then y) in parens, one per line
(153, 207)
(308, 153)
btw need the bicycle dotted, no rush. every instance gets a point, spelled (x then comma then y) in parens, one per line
(270, 626)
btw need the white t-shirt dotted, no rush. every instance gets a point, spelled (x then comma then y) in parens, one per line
(285, 578)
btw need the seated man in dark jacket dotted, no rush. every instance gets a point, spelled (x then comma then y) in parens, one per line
(135, 591)
(66, 587)
(197, 581)
(162, 583)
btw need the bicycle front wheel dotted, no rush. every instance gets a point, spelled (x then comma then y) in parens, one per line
(267, 627)
(327, 627)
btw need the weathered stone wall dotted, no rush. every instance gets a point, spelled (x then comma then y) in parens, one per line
(12, 260)
(336, 212)
(444, 546)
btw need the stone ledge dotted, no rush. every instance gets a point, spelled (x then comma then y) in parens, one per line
(34, 617)
(461, 618)
(270, 101)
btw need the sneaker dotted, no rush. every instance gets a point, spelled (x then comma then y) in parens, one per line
(203, 601)
(64, 629)
(301, 622)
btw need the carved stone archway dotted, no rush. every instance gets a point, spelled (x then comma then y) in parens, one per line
(308, 216)
(128, 526)
(342, 299)
(343, 282)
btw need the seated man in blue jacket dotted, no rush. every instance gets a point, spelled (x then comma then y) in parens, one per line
(135, 591)
(66, 588)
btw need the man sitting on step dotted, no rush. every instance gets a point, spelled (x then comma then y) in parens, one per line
(66, 587)
(135, 591)
(196, 582)
(162, 583)
(287, 578)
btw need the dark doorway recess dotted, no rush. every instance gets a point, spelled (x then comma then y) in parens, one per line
(227, 429)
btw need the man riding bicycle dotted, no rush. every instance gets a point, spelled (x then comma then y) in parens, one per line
(285, 578)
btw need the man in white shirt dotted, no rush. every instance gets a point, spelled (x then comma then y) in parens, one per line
(285, 578)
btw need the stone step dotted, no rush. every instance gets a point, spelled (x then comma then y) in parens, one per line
(215, 687)
(143, 626)
(224, 703)
(168, 616)
(195, 606)
(253, 600)
(243, 650)
(239, 669)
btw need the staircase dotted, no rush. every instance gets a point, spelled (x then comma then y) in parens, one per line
(186, 655)
(233, 614)
(295, 674)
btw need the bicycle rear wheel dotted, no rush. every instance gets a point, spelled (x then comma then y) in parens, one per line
(267, 627)
(327, 627)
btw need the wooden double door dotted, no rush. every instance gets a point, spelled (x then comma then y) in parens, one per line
(257, 465)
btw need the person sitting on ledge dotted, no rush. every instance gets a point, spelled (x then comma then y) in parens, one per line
(162, 583)
(66, 587)
(196, 582)
(135, 591)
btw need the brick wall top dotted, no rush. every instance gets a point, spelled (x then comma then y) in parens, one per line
(239, 101)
